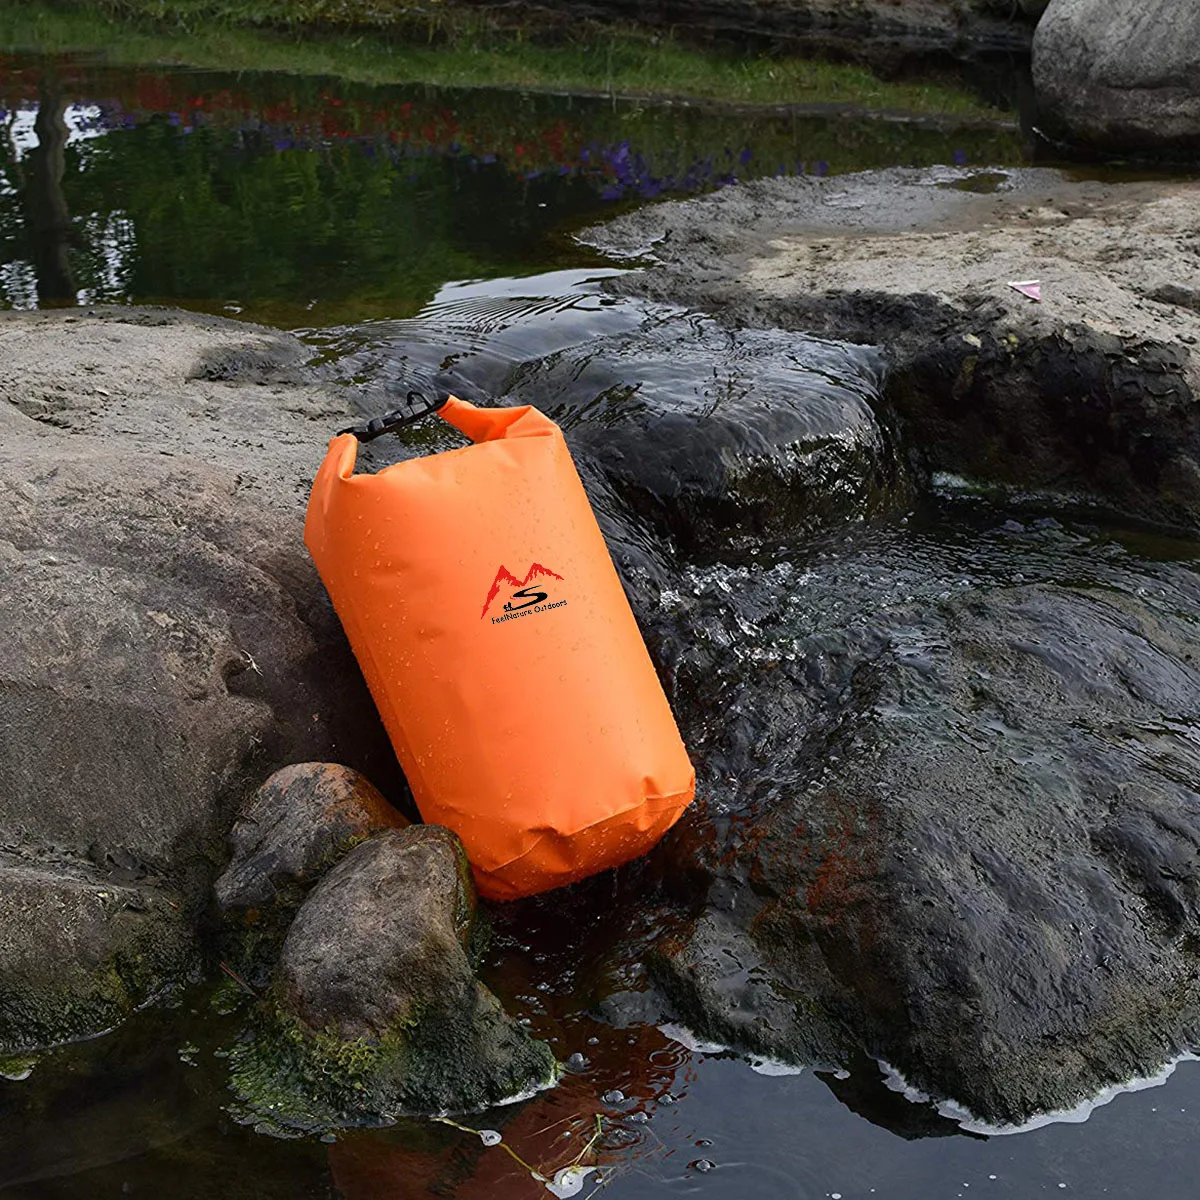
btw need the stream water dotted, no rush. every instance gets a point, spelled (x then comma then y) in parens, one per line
(410, 233)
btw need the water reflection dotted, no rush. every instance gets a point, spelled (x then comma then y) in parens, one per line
(45, 204)
(306, 201)
(599, 1123)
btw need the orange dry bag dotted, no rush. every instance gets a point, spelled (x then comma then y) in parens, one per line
(486, 614)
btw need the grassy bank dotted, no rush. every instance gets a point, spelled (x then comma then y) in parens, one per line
(437, 44)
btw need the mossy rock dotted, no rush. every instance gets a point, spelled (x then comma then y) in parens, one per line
(375, 1010)
(301, 822)
(78, 955)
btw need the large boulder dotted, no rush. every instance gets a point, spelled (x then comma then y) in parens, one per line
(376, 1010)
(1121, 76)
(964, 836)
(167, 642)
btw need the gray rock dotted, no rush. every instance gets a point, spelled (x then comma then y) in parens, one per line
(963, 836)
(1121, 76)
(167, 642)
(719, 438)
(1089, 395)
(298, 824)
(376, 1010)
(947, 817)
(78, 953)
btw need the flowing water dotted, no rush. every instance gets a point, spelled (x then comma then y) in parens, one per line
(418, 236)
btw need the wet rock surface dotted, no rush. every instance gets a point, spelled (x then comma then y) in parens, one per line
(167, 641)
(1121, 76)
(1089, 394)
(80, 952)
(719, 438)
(974, 863)
(949, 799)
(377, 1009)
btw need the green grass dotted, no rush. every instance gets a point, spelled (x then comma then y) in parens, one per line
(441, 45)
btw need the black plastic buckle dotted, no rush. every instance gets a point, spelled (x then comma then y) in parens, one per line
(396, 419)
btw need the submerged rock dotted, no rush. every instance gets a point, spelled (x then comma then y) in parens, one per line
(303, 820)
(1121, 76)
(979, 864)
(720, 438)
(376, 1010)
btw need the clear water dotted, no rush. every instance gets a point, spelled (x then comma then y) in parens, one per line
(403, 230)
(308, 201)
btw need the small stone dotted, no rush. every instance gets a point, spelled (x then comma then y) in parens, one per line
(298, 824)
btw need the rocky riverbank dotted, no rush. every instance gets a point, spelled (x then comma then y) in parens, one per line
(168, 642)
(1089, 393)
(926, 608)
(970, 857)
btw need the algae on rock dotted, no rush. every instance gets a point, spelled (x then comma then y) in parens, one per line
(375, 1010)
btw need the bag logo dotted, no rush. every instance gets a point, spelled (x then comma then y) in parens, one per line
(524, 599)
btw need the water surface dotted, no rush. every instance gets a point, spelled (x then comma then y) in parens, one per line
(304, 201)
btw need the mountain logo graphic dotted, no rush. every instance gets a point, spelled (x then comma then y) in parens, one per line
(521, 589)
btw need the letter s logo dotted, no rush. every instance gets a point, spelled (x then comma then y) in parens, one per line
(529, 595)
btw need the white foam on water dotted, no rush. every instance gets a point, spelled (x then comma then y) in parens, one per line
(773, 1067)
(691, 1041)
(568, 1182)
(759, 1063)
(1068, 1116)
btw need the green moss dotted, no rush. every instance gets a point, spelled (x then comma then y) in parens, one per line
(17, 1066)
(290, 1078)
(68, 1001)
(447, 46)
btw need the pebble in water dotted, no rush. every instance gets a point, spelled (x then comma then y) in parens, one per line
(703, 1165)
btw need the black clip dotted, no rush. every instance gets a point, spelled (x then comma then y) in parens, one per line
(396, 419)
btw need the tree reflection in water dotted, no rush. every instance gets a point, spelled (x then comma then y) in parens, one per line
(48, 218)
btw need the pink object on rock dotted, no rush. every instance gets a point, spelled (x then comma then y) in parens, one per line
(1029, 287)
